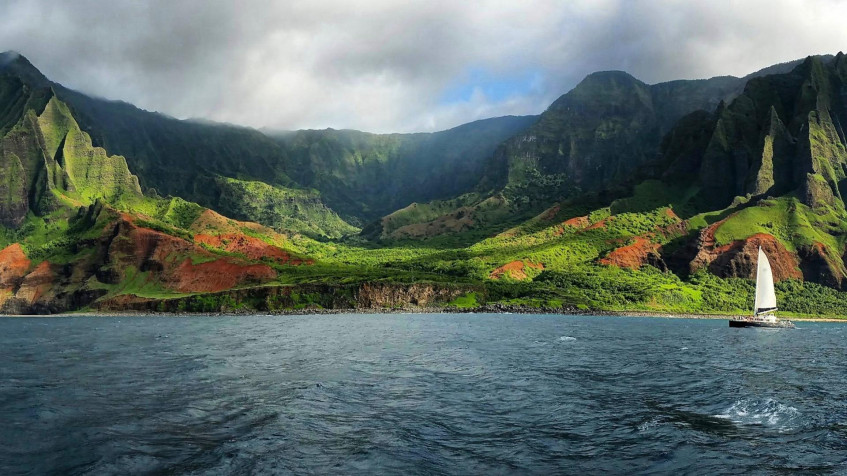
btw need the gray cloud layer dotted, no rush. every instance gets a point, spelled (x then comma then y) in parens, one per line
(385, 65)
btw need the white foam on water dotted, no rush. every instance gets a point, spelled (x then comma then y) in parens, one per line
(567, 338)
(649, 424)
(683, 348)
(763, 412)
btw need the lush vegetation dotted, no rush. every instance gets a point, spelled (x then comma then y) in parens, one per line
(282, 208)
(366, 176)
(611, 200)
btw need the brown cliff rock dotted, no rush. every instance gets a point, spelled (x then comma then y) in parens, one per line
(13, 266)
(377, 295)
(172, 261)
(36, 284)
(739, 258)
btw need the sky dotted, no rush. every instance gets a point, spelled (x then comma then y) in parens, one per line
(396, 66)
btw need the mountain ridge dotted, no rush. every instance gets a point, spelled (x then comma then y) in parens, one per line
(622, 195)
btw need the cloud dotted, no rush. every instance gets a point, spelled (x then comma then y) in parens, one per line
(383, 65)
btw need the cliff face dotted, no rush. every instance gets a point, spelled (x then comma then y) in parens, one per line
(783, 134)
(599, 131)
(770, 135)
(47, 162)
(87, 230)
(646, 181)
(175, 263)
(22, 174)
(378, 295)
(364, 296)
(739, 258)
(607, 128)
(772, 163)
(365, 176)
(784, 137)
(14, 265)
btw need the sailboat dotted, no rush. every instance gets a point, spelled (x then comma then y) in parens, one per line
(765, 305)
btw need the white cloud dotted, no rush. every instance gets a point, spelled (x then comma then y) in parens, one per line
(385, 65)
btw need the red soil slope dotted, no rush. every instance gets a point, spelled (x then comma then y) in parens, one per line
(515, 270)
(600, 225)
(631, 256)
(170, 260)
(217, 275)
(739, 258)
(252, 248)
(13, 265)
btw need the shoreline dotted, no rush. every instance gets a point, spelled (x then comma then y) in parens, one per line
(494, 309)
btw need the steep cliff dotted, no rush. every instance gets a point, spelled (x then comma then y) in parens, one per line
(365, 176)
(84, 230)
(620, 196)
(190, 159)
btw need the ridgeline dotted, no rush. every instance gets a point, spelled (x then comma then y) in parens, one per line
(621, 196)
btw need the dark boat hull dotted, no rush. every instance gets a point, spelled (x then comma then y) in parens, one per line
(752, 323)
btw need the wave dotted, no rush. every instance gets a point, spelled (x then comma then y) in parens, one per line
(650, 424)
(764, 412)
(567, 338)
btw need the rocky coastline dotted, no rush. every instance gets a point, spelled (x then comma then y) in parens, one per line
(485, 309)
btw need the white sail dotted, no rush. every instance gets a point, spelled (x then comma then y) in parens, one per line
(765, 295)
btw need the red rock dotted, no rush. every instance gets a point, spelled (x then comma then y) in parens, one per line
(633, 256)
(13, 265)
(166, 257)
(250, 247)
(36, 283)
(577, 222)
(739, 258)
(600, 225)
(217, 275)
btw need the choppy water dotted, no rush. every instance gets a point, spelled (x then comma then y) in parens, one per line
(419, 394)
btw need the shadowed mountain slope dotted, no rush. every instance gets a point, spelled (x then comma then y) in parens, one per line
(620, 196)
(369, 175)
(360, 175)
(599, 140)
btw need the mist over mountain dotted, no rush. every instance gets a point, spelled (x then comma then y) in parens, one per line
(365, 176)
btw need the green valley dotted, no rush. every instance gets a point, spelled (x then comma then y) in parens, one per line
(621, 196)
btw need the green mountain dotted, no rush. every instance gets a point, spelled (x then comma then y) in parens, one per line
(606, 129)
(365, 176)
(76, 226)
(776, 163)
(211, 164)
(761, 164)
(596, 141)
(308, 175)
(621, 196)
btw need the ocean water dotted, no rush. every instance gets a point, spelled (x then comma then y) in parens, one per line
(419, 394)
